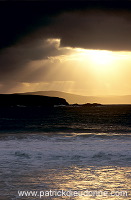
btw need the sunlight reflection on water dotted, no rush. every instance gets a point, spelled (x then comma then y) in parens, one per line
(74, 178)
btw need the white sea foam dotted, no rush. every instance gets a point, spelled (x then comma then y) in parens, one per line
(91, 150)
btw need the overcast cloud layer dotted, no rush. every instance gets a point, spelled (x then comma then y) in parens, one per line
(88, 24)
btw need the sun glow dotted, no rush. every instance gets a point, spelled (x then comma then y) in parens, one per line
(96, 72)
(101, 59)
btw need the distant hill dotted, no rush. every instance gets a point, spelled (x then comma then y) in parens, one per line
(30, 100)
(73, 98)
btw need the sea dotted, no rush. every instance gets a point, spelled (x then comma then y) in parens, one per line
(65, 152)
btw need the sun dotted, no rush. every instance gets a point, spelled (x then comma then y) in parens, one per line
(101, 60)
(101, 57)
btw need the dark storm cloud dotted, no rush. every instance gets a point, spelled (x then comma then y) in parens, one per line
(94, 30)
(18, 19)
(90, 29)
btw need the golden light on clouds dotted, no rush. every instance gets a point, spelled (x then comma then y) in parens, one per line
(102, 72)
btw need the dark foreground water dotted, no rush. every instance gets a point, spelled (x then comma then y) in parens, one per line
(86, 152)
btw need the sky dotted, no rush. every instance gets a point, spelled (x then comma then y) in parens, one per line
(81, 47)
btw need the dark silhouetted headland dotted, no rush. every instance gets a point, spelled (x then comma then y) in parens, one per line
(30, 100)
